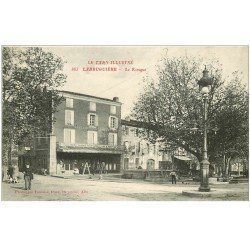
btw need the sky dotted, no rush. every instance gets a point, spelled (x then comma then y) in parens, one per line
(128, 84)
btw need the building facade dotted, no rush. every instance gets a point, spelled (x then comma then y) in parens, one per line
(90, 129)
(140, 153)
(86, 129)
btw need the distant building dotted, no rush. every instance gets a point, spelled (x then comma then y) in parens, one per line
(140, 153)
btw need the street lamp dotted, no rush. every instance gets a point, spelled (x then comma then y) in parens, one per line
(204, 84)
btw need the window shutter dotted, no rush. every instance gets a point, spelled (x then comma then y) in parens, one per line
(66, 136)
(95, 137)
(89, 137)
(72, 117)
(109, 139)
(88, 119)
(116, 123)
(92, 106)
(72, 136)
(113, 110)
(67, 117)
(69, 103)
(115, 139)
(96, 120)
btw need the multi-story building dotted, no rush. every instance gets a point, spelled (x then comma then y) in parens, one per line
(86, 128)
(90, 129)
(140, 153)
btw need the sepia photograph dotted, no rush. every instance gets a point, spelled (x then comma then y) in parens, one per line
(125, 123)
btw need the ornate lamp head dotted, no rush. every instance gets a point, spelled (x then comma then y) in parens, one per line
(204, 82)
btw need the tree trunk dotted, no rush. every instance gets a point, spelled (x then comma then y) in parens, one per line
(9, 154)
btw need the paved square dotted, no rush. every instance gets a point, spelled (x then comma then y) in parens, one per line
(47, 188)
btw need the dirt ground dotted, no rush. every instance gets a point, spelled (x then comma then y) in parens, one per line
(47, 188)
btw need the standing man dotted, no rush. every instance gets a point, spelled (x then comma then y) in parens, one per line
(102, 168)
(28, 176)
(173, 177)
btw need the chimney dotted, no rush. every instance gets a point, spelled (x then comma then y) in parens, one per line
(116, 99)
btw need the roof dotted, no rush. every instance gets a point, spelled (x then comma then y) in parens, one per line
(91, 96)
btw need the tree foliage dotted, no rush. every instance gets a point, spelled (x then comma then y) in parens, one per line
(28, 74)
(172, 105)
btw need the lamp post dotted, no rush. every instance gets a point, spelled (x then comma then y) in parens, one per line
(204, 83)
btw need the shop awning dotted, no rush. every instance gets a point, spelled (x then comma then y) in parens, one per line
(182, 158)
(90, 151)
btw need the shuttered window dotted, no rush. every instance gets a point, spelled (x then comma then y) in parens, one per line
(69, 117)
(112, 140)
(69, 136)
(69, 103)
(113, 110)
(92, 106)
(92, 137)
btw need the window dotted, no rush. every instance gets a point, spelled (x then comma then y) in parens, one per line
(113, 110)
(92, 137)
(69, 103)
(92, 106)
(112, 140)
(69, 136)
(92, 120)
(113, 122)
(69, 117)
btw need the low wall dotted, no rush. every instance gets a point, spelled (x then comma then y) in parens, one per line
(145, 174)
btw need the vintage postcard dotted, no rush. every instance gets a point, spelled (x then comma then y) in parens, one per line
(125, 123)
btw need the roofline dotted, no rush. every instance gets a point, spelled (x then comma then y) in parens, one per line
(90, 96)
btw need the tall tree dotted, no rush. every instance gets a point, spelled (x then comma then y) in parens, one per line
(27, 105)
(231, 140)
(172, 105)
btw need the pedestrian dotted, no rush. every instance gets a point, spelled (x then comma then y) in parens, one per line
(102, 168)
(2, 175)
(28, 176)
(173, 177)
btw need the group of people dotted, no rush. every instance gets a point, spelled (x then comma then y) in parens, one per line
(86, 168)
(100, 169)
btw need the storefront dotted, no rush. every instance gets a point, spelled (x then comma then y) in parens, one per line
(73, 159)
